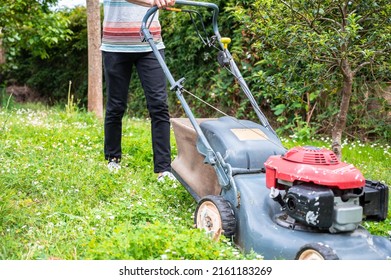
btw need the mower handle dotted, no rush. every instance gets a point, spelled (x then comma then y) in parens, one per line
(203, 145)
(212, 6)
(223, 42)
(149, 38)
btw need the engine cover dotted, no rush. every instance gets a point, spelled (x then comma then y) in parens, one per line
(310, 164)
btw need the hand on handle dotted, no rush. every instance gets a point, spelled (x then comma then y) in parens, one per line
(164, 3)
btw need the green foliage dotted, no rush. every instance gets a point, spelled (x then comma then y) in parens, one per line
(66, 62)
(287, 52)
(31, 26)
(158, 240)
(297, 49)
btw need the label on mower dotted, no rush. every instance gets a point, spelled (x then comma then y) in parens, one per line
(244, 134)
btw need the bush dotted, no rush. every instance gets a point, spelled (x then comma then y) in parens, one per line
(67, 61)
(288, 91)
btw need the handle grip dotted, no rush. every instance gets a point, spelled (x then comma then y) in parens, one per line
(212, 6)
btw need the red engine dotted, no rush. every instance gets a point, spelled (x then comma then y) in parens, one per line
(310, 164)
(315, 189)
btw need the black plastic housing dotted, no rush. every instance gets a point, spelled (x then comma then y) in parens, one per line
(374, 201)
(312, 205)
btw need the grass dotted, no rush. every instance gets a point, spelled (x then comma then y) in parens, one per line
(58, 200)
(373, 159)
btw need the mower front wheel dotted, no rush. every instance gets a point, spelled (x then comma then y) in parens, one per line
(214, 214)
(316, 251)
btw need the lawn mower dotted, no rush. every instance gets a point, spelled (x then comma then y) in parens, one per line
(300, 203)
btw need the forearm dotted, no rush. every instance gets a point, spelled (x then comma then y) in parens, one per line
(151, 3)
(146, 3)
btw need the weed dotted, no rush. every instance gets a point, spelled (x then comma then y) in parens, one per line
(71, 106)
(5, 109)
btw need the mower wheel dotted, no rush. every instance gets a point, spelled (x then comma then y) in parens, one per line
(214, 214)
(316, 251)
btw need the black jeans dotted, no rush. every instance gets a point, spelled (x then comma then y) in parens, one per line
(118, 69)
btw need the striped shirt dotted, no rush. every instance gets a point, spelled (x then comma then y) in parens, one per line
(121, 28)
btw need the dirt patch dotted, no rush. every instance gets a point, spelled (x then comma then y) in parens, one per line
(23, 94)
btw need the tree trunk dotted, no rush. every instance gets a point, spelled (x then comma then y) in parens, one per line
(340, 123)
(95, 96)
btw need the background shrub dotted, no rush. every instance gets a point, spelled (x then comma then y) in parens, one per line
(288, 91)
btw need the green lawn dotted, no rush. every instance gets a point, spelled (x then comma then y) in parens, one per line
(58, 200)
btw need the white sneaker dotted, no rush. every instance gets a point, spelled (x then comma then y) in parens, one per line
(166, 175)
(113, 166)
